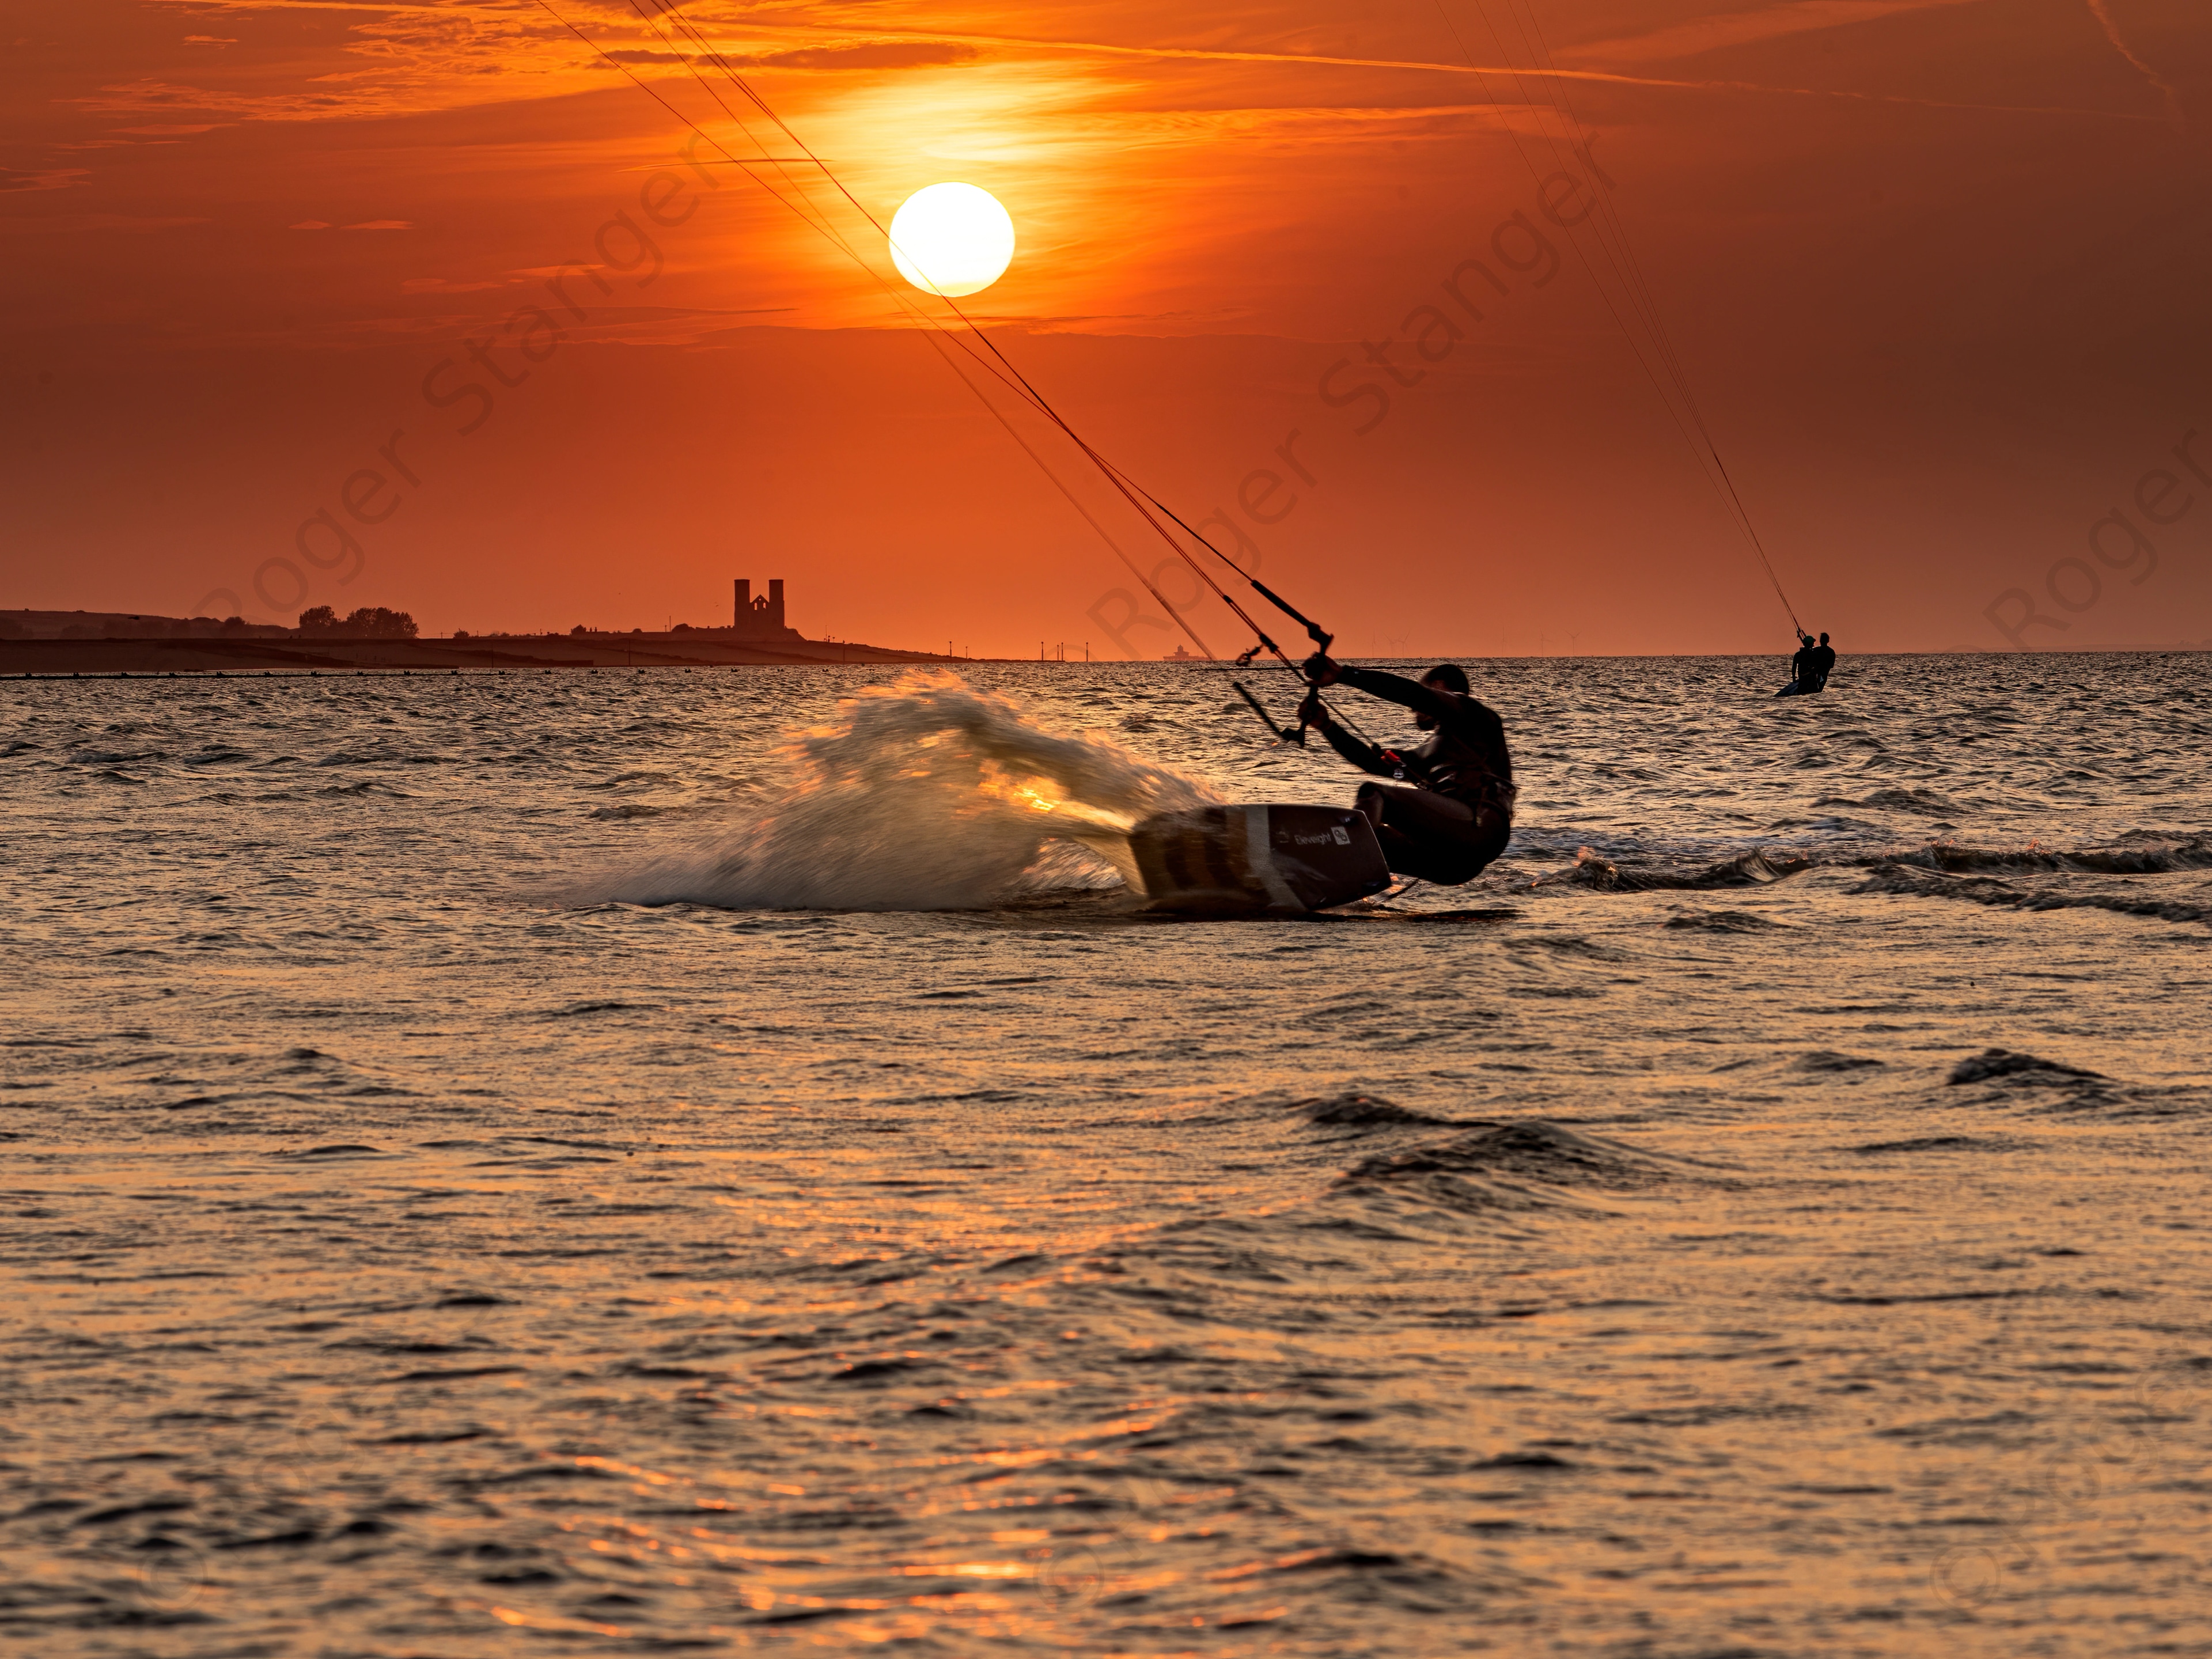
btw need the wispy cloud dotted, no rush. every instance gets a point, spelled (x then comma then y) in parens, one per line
(429, 56)
(1738, 29)
(60, 222)
(864, 55)
(2098, 9)
(12, 179)
(1171, 54)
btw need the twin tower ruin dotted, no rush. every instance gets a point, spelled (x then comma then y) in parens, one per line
(761, 618)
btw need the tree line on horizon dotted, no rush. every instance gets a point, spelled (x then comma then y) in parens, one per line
(370, 622)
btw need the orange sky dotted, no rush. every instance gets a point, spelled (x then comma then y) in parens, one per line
(1934, 271)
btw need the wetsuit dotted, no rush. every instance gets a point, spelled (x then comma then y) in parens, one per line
(1823, 664)
(1450, 810)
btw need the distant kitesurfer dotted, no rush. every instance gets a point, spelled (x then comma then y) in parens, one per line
(1810, 668)
(1448, 809)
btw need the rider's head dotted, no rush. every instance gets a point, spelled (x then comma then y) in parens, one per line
(1444, 677)
(1824, 639)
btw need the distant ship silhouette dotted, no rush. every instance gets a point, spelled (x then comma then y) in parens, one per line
(1180, 655)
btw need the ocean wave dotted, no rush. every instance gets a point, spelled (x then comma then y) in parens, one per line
(1625, 867)
(1910, 881)
(1530, 1151)
(1512, 1168)
(1361, 1113)
(2008, 1078)
(2194, 854)
(1722, 921)
(1993, 1064)
(1925, 801)
(1593, 870)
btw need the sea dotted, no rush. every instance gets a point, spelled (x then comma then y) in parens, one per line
(627, 1162)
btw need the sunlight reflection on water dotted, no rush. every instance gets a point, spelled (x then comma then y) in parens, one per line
(399, 1263)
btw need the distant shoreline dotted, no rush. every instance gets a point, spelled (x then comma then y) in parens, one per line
(131, 658)
(42, 658)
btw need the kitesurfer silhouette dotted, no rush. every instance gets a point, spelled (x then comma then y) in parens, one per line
(1448, 809)
(1810, 668)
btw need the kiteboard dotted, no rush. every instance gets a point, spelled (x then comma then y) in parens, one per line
(1257, 861)
(1802, 688)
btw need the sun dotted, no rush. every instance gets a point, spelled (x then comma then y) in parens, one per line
(951, 239)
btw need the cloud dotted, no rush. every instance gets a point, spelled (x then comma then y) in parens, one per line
(854, 56)
(418, 56)
(2159, 82)
(864, 55)
(51, 179)
(1203, 54)
(407, 59)
(167, 130)
(1703, 34)
(310, 224)
(382, 224)
(68, 222)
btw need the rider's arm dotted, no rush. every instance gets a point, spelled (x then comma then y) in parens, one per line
(1395, 688)
(1367, 756)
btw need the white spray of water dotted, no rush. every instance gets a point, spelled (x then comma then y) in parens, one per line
(926, 795)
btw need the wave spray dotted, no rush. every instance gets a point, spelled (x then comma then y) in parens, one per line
(925, 795)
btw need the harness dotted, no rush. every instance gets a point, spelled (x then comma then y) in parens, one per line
(1492, 790)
